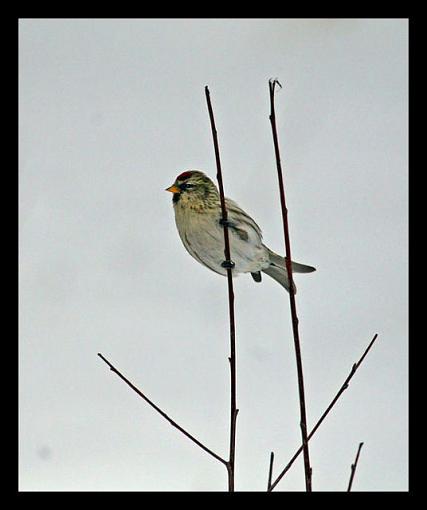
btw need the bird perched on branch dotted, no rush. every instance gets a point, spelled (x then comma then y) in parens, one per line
(198, 217)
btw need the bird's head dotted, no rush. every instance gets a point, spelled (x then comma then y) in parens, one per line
(194, 189)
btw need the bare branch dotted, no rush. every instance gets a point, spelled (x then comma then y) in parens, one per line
(353, 468)
(157, 408)
(303, 415)
(327, 411)
(270, 471)
(228, 264)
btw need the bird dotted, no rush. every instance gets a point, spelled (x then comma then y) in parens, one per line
(198, 217)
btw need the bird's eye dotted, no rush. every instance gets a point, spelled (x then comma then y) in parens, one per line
(185, 186)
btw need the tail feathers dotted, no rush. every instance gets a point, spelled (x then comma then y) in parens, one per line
(301, 268)
(277, 269)
(277, 260)
(280, 275)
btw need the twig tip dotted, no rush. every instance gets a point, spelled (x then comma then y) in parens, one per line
(273, 82)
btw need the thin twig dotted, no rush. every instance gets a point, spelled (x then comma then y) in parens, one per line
(270, 471)
(328, 409)
(353, 468)
(157, 408)
(228, 264)
(303, 415)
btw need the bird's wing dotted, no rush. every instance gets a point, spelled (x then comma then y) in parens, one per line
(240, 222)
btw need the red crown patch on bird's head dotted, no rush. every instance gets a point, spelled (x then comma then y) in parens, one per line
(184, 176)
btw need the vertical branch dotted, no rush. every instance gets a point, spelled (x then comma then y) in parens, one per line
(303, 416)
(270, 471)
(228, 265)
(353, 468)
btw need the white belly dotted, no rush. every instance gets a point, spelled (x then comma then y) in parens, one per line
(204, 240)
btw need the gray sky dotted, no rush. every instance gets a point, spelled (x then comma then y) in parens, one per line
(110, 112)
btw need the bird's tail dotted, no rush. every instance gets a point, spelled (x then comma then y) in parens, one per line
(277, 270)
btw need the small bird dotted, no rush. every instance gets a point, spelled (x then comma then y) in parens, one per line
(198, 217)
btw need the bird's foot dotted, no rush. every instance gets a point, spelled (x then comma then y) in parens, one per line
(225, 223)
(228, 264)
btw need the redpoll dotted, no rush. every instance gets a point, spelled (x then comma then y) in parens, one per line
(198, 215)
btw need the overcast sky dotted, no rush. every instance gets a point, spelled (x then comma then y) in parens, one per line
(110, 111)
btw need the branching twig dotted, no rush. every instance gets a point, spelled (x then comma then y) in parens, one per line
(353, 468)
(328, 409)
(157, 408)
(303, 415)
(228, 264)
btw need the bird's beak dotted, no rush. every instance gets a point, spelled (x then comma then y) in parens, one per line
(173, 189)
